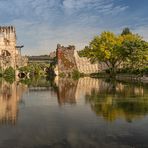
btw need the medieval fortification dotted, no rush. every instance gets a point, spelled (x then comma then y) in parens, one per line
(68, 60)
(9, 52)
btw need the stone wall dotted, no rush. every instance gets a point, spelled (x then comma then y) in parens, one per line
(69, 60)
(84, 65)
(9, 53)
(66, 60)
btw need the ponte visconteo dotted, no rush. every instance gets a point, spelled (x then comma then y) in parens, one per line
(10, 54)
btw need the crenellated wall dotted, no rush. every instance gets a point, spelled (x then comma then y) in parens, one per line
(9, 53)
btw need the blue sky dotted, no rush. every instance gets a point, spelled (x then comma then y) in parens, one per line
(41, 24)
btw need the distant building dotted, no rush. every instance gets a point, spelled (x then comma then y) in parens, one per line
(10, 54)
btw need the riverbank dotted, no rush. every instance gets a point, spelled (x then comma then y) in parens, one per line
(123, 77)
(132, 78)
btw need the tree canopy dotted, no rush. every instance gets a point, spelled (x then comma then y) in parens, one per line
(126, 31)
(115, 50)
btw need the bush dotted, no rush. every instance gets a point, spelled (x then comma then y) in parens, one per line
(9, 74)
(76, 74)
(34, 69)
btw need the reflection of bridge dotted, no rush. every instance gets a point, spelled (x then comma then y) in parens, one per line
(39, 88)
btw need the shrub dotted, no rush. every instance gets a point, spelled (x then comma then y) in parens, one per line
(9, 74)
(76, 74)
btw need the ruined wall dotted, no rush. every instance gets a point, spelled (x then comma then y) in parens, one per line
(9, 54)
(69, 60)
(66, 59)
(84, 65)
(7, 46)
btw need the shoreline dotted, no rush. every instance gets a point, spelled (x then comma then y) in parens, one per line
(132, 78)
(125, 77)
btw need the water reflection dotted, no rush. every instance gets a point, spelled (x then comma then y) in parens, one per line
(68, 113)
(110, 99)
(66, 91)
(10, 95)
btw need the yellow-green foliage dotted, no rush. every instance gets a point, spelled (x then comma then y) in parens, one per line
(114, 50)
(9, 74)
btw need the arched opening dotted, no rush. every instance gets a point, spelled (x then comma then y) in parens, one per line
(22, 75)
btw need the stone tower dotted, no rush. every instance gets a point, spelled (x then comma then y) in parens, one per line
(66, 60)
(8, 50)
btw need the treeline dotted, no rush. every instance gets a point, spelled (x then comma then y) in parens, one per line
(126, 52)
(34, 69)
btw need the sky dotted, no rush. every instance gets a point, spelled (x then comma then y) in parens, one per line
(42, 24)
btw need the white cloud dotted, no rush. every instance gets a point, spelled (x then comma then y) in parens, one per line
(100, 6)
(41, 24)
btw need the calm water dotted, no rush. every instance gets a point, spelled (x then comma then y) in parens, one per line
(87, 113)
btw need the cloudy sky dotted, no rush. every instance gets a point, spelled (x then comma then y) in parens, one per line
(41, 24)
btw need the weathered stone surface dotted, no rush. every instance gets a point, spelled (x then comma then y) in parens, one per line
(69, 60)
(84, 65)
(66, 59)
(9, 53)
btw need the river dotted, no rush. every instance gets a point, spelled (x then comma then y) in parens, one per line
(66, 113)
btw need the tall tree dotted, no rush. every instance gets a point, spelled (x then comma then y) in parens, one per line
(136, 50)
(126, 31)
(114, 50)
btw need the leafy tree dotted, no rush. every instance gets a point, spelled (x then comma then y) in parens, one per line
(106, 48)
(126, 31)
(114, 50)
(136, 51)
(83, 53)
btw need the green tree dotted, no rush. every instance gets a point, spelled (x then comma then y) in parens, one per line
(106, 48)
(126, 31)
(136, 51)
(114, 50)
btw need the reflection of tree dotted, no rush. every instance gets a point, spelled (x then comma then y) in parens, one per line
(126, 101)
